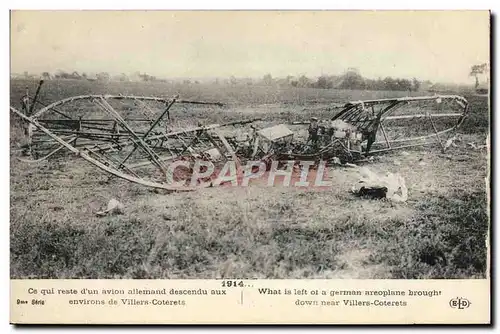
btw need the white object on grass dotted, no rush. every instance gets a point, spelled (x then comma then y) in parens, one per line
(395, 184)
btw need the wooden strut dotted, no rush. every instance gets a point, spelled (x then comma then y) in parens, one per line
(192, 142)
(35, 97)
(60, 147)
(353, 111)
(153, 156)
(385, 135)
(116, 97)
(87, 123)
(53, 109)
(149, 131)
(82, 129)
(437, 134)
(164, 136)
(415, 138)
(98, 163)
(93, 154)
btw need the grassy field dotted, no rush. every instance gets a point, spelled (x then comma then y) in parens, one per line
(253, 232)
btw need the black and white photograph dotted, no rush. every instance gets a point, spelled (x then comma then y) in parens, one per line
(243, 144)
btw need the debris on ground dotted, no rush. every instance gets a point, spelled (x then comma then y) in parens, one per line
(475, 147)
(472, 145)
(114, 207)
(348, 164)
(405, 153)
(390, 186)
(373, 192)
(336, 161)
(451, 142)
(348, 134)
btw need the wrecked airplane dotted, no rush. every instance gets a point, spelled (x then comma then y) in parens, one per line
(131, 137)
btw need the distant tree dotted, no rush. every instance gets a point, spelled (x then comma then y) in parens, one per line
(267, 79)
(46, 76)
(371, 84)
(122, 77)
(352, 79)
(415, 84)
(232, 80)
(147, 77)
(303, 81)
(60, 74)
(390, 84)
(475, 70)
(136, 76)
(379, 84)
(75, 75)
(324, 82)
(282, 82)
(402, 84)
(103, 76)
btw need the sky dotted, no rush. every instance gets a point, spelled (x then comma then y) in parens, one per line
(439, 46)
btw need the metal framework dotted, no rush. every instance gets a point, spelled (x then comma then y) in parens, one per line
(105, 131)
(372, 117)
(135, 137)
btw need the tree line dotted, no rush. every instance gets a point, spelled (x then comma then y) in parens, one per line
(351, 79)
(101, 76)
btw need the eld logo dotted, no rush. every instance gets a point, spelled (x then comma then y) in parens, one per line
(460, 303)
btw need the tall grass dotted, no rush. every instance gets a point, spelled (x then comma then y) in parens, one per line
(447, 238)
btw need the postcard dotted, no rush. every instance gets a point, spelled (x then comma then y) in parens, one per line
(250, 167)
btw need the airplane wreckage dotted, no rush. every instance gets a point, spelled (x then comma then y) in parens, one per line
(136, 137)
